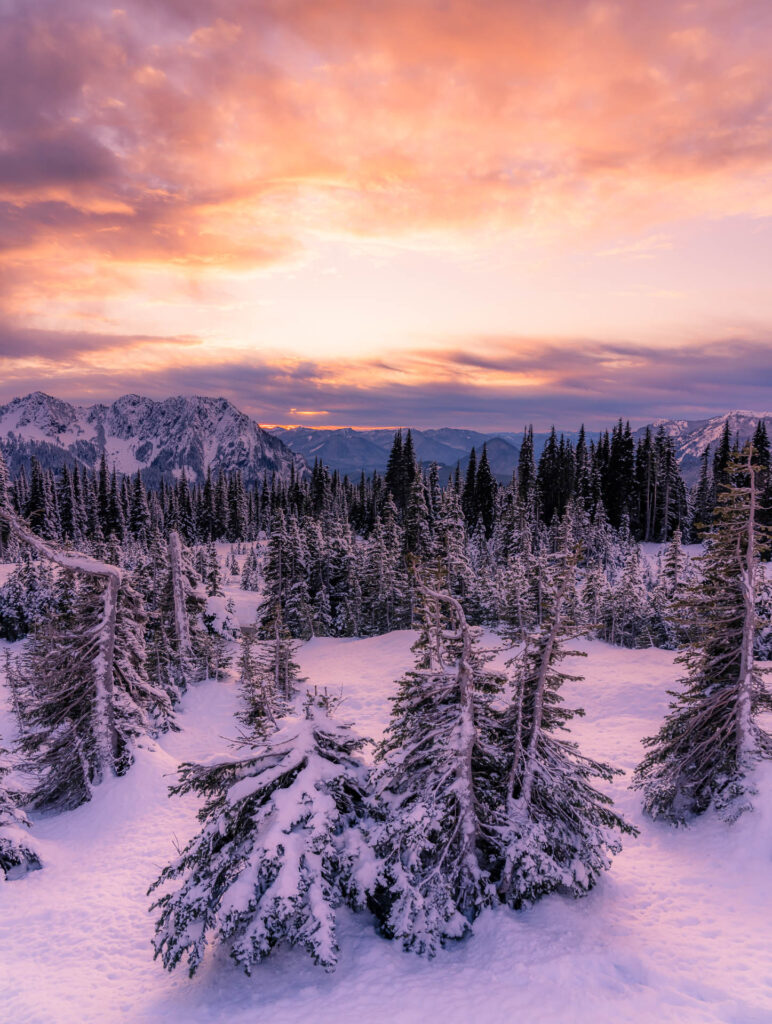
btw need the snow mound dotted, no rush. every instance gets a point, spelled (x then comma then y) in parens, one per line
(678, 931)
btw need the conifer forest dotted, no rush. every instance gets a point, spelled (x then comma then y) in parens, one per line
(119, 600)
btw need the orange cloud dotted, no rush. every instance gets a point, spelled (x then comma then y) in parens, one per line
(155, 148)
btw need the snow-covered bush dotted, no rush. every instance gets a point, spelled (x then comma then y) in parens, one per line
(280, 850)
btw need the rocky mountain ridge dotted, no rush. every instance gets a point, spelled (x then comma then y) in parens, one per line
(159, 438)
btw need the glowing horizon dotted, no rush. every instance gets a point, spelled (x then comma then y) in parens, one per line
(432, 213)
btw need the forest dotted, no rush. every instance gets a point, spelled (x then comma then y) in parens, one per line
(477, 796)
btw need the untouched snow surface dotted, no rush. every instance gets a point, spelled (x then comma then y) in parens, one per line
(679, 931)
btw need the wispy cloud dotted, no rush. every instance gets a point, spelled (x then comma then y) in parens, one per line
(159, 162)
(511, 382)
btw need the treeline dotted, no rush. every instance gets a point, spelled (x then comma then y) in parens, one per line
(342, 559)
(636, 488)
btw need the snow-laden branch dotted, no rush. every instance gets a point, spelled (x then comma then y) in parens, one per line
(747, 567)
(104, 661)
(468, 732)
(72, 560)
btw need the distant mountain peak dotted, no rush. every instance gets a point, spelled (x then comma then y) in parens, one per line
(159, 437)
(692, 437)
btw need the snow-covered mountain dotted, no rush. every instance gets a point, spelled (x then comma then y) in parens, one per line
(135, 433)
(692, 436)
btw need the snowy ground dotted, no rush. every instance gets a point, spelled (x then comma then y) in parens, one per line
(679, 931)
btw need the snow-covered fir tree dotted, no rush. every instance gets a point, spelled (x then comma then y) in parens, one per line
(517, 606)
(595, 600)
(434, 777)
(269, 678)
(17, 851)
(216, 645)
(674, 577)
(552, 831)
(175, 635)
(212, 572)
(285, 588)
(28, 598)
(628, 607)
(76, 720)
(280, 850)
(250, 574)
(705, 752)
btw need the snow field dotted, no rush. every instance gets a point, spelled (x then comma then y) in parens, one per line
(678, 931)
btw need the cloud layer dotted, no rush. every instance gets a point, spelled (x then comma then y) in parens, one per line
(191, 173)
(508, 383)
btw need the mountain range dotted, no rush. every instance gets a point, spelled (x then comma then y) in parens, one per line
(351, 451)
(161, 438)
(158, 438)
(693, 436)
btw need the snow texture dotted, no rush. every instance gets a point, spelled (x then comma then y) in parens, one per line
(678, 931)
(136, 433)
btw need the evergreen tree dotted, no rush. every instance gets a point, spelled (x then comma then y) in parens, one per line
(469, 499)
(453, 571)
(68, 507)
(485, 493)
(28, 598)
(176, 638)
(384, 580)
(526, 467)
(250, 574)
(704, 499)
(619, 481)
(63, 718)
(5, 501)
(721, 457)
(17, 852)
(395, 472)
(595, 600)
(548, 479)
(433, 778)
(762, 459)
(674, 578)
(262, 700)
(286, 600)
(705, 751)
(629, 606)
(554, 830)
(582, 472)
(140, 510)
(518, 612)
(237, 509)
(212, 573)
(418, 537)
(39, 510)
(279, 851)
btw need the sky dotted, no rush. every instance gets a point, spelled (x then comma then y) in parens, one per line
(471, 213)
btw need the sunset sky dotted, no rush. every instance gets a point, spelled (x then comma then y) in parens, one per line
(390, 211)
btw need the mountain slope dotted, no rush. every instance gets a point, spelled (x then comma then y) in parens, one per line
(161, 438)
(693, 436)
(350, 451)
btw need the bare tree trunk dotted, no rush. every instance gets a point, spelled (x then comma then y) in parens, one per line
(647, 508)
(666, 512)
(182, 625)
(747, 560)
(524, 799)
